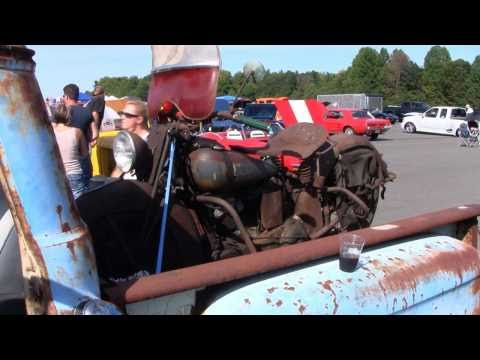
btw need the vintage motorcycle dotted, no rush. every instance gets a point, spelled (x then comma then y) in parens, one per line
(199, 197)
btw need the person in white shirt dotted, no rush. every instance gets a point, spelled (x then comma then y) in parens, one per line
(133, 119)
(49, 109)
(469, 111)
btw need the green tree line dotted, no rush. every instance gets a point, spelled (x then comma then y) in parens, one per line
(440, 81)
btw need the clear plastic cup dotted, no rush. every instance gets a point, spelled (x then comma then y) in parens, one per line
(351, 246)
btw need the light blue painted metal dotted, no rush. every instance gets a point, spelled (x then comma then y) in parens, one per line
(57, 244)
(459, 301)
(431, 274)
(71, 270)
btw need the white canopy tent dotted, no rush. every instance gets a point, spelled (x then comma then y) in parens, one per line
(109, 117)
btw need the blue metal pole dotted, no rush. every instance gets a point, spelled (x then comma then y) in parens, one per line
(166, 202)
(58, 261)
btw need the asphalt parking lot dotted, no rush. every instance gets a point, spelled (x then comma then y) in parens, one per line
(433, 173)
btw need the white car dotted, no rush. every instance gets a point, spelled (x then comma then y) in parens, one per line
(439, 120)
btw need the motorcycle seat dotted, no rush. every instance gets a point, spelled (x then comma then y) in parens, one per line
(300, 140)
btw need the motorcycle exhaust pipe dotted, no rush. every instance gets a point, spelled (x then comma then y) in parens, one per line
(58, 260)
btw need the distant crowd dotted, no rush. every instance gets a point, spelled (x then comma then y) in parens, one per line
(77, 126)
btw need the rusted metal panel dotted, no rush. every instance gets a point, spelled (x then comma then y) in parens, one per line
(175, 304)
(72, 269)
(475, 288)
(468, 232)
(56, 250)
(254, 264)
(458, 301)
(423, 275)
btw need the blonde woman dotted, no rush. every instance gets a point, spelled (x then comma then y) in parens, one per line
(135, 120)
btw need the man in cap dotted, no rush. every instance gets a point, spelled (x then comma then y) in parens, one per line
(96, 106)
(79, 116)
(81, 119)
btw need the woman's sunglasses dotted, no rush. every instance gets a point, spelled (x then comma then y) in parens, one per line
(128, 115)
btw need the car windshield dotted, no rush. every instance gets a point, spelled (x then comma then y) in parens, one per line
(422, 107)
(362, 114)
(261, 111)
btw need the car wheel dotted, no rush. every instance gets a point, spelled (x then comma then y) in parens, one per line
(457, 133)
(348, 131)
(410, 128)
(373, 137)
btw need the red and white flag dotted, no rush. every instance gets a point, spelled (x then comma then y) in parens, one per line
(297, 111)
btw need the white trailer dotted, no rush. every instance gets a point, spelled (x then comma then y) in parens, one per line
(353, 101)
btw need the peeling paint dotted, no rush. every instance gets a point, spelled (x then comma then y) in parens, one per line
(50, 250)
(327, 286)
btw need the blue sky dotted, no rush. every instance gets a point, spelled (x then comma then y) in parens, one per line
(58, 65)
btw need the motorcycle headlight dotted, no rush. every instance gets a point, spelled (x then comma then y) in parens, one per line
(131, 152)
(124, 151)
(96, 307)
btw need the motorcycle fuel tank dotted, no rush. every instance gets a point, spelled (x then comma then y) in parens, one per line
(186, 76)
(219, 171)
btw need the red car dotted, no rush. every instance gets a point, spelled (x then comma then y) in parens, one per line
(359, 122)
(349, 121)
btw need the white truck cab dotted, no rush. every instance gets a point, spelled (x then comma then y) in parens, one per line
(439, 120)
